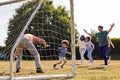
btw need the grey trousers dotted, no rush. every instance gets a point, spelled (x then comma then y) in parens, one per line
(26, 43)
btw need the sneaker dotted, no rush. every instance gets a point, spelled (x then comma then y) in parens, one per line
(105, 66)
(109, 60)
(54, 66)
(61, 67)
(85, 61)
(18, 70)
(39, 70)
(92, 63)
(81, 62)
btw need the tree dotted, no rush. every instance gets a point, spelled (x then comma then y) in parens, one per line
(55, 23)
(115, 51)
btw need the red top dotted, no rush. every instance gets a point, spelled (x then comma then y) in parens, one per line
(33, 38)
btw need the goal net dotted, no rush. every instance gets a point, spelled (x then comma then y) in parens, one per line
(50, 20)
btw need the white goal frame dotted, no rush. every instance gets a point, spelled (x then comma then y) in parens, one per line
(72, 74)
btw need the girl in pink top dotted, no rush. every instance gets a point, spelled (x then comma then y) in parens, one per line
(89, 48)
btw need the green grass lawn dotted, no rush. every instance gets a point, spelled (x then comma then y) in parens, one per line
(84, 72)
(97, 72)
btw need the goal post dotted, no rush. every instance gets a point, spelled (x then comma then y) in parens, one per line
(49, 22)
(73, 37)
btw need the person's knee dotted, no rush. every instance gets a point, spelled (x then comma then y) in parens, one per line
(104, 56)
(88, 56)
(34, 53)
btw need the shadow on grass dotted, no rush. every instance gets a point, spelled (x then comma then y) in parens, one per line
(82, 66)
(56, 69)
(98, 68)
(4, 74)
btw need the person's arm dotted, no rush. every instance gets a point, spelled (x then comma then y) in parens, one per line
(112, 25)
(93, 46)
(45, 44)
(89, 33)
(40, 41)
(69, 53)
(111, 43)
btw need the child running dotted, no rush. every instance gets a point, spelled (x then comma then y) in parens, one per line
(27, 42)
(82, 48)
(89, 48)
(103, 42)
(63, 52)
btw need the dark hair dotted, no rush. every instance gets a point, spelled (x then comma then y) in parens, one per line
(66, 42)
(88, 38)
(82, 37)
(100, 26)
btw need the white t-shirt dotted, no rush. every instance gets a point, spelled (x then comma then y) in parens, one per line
(81, 44)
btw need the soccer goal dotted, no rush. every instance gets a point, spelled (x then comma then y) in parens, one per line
(51, 20)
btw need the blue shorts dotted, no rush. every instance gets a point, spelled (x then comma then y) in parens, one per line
(108, 51)
(103, 51)
(62, 58)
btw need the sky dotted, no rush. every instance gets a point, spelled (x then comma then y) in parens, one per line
(88, 14)
(6, 13)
